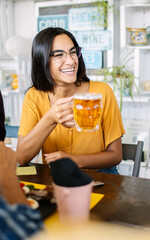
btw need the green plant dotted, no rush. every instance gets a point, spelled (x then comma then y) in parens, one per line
(103, 8)
(121, 78)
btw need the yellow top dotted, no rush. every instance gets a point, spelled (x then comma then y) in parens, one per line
(36, 104)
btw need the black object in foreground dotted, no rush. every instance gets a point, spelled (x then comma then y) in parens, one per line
(65, 172)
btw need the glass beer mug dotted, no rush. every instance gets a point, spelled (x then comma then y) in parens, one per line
(87, 110)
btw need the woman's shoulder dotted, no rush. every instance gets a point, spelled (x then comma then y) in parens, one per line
(100, 87)
(35, 94)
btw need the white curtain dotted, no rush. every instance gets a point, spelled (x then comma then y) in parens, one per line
(6, 24)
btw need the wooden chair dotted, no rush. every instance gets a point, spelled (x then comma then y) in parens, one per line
(133, 152)
(11, 131)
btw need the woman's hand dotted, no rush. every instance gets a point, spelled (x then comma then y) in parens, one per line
(62, 112)
(51, 157)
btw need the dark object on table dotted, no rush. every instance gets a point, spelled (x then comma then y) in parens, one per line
(98, 183)
(46, 208)
(46, 200)
(66, 173)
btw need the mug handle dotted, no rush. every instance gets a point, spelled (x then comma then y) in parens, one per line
(64, 194)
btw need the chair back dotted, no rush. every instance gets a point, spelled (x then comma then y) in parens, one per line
(11, 131)
(135, 153)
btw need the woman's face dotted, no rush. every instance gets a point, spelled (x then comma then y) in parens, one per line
(63, 68)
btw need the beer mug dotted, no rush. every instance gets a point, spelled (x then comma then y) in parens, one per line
(87, 110)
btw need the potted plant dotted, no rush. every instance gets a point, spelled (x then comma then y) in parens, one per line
(122, 80)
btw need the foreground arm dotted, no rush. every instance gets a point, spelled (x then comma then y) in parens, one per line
(30, 145)
(17, 219)
(111, 157)
(9, 184)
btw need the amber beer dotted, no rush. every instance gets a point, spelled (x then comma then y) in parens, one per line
(87, 109)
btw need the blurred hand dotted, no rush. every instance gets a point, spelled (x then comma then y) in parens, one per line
(62, 112)
(9, 184)
(11, 158)
(7, 159)
(51, 157)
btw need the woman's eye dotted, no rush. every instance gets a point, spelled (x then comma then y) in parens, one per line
(58, 55)
(73, 52)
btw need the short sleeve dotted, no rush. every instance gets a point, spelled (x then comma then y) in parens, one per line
(30, 115)
(111, 120)
(35, 106)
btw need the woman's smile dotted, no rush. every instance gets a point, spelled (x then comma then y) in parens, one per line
(66, 71)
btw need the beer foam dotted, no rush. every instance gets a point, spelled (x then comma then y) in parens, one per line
(87, 96)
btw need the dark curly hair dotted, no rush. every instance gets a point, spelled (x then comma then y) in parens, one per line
(41, 47)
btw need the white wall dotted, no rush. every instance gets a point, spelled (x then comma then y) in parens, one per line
(25, 19)
(24, 24)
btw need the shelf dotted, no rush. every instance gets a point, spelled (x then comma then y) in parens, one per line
(138, 47)
(7, 92)
(146, 93)
(136, 5)
(6, 58)
(136, 99)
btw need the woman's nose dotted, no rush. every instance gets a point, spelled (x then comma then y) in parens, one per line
(69, 59)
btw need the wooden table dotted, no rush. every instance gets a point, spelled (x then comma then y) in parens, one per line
(126, 200)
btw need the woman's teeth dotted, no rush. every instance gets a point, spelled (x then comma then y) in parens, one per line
(68, 70)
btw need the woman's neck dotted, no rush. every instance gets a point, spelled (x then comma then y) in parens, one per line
(61, 92)
(68, 91)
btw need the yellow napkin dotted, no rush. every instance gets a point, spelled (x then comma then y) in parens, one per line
(95, 198)
(30, 170)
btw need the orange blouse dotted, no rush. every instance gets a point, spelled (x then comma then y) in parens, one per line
(36, 104)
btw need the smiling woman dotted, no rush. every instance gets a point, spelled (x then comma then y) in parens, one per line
(58, 72)
(64, 63)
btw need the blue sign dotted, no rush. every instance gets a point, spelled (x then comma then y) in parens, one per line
(94, 40)
(60, 20)
(92, 59)
(87, 18)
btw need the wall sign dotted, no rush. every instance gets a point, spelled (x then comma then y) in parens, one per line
(60, 20)
(87, 25)
(94, 40)
(86, 18)
(92, 59)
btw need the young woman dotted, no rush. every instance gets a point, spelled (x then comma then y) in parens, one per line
(58, 72)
